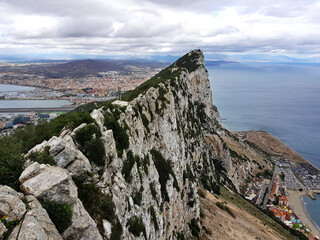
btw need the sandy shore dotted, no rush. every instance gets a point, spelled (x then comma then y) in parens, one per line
(296, 203)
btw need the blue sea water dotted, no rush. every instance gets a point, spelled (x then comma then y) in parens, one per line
(14, 88)
(313, 209)
(6, 88)
(281, 98)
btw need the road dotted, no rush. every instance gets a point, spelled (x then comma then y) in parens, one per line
(264, 205)
(56, 109)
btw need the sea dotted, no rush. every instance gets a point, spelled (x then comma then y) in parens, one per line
(280, 98)
(6, 88)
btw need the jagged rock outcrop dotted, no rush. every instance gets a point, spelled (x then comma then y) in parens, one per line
(11, 204)
(36, 223)
(55, 184)
(134, 173)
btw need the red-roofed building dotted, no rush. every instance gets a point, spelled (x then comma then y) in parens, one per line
(283, 201)
(279, 214)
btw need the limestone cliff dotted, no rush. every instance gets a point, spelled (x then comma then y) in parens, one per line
(134, 172)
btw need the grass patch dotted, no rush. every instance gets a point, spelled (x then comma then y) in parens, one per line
(254, 211)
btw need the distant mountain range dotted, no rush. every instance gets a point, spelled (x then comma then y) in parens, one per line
(81, 68)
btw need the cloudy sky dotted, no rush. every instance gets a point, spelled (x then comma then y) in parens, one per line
(234, 28)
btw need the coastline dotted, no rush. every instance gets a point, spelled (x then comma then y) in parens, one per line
(295, 202)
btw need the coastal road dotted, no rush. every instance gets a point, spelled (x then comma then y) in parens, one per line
(55, 109)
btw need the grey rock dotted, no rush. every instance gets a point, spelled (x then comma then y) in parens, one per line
(53, 183)
(11, 205)
(36, 224)
(107, 228)
(3, 229)
(83, 227)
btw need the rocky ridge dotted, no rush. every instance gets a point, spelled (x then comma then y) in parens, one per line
(134, 172)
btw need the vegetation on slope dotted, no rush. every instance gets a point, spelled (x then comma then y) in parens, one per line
(59, 213)
(266, 219)
(13, 147)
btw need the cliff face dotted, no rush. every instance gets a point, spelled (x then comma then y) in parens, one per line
(135, 172)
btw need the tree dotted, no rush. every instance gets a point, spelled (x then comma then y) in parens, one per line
(11, 161)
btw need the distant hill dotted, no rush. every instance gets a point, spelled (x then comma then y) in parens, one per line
(90, 67)
(79, 68)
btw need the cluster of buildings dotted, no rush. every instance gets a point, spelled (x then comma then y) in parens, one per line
(272, 193)
(101, 85)
(283, 211)
(10, 122)
(256, 190)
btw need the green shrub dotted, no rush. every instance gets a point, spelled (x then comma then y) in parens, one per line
(137, 198)
(32, 135)
(161, 77)
(116, 230)
(190, 198)
(153, 191)
(202, 193)
(145, 122)
(146, 163)
(10, 225)
(189, 61)
(127, 167)
(91, 144)
(119, 133)
(42, 157)
(136, 226)
(225, 208)
(12, 147)
(188, 174)
(59, 213)
(154, 218)
(194, 228)
(99, 205)
(95, 151)
(180, 236)
(86, 133)
(164, 169)
(11, 161)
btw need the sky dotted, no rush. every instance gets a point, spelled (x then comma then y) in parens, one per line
(245, 30)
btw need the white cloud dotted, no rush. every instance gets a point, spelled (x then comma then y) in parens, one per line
(154, 26)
